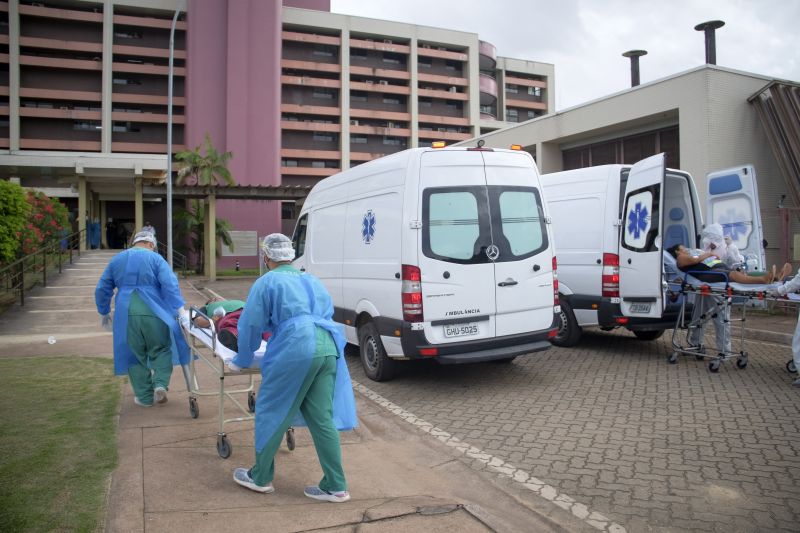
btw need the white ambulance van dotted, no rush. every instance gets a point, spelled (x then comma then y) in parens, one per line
(611, 224)
(434, 253)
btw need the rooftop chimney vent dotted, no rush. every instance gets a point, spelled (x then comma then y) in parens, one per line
(634, 55)
(711, 42)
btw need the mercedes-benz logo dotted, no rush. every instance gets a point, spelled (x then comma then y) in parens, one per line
(492, 252)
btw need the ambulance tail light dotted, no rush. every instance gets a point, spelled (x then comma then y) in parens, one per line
(412, 294)
(610, 283)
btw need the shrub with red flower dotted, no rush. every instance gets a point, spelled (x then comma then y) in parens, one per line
(48, 217)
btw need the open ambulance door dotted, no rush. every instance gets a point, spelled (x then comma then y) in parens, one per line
(640, 259)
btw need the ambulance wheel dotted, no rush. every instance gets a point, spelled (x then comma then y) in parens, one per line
(568, 333)
(377, 365)
(194, 410)
(741, 362)
(290, 443)
(791, 367)
(714, 365)
(673, 358)
(649, 335)
(224, 448)
(251, 402)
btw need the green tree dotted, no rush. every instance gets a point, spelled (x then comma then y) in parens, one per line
(14, 210)
(206, 169)
(190, 229)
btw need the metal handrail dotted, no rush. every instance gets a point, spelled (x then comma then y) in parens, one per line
(179, 261)
(12, 276)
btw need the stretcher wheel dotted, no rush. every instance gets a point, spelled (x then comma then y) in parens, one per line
(741, 362)
(251, 402)
(673, 358)
(194, 410)
(714, 365)
(791, 367)
(290, 439)
(224, 448)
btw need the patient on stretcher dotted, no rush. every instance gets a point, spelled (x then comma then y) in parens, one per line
(225, 315)
(706, 266)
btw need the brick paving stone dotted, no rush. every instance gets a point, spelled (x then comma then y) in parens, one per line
(612, 425)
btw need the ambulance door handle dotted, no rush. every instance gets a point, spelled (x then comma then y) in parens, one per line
(598, 261)
(629, 260)
(507, 283)
(446, 275)
(536, 268)
(397, 275)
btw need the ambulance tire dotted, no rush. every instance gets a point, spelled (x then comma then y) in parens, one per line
(377, 365)
(569, 333)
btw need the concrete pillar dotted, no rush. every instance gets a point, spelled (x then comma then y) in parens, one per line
(138, 205)
(83, 209)
(107, 80)
(413, 98)
(103, 239)
(13, 75)
(210, 238)
(344, 100)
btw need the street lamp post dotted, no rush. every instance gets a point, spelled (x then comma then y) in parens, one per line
(169, 136)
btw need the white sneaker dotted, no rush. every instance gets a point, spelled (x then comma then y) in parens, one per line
(316, 493)
(140, 403)
(242, 477)
(160, 394)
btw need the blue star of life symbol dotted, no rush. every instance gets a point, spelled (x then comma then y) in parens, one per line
(368, 227)
(637, 220)
(731, 225)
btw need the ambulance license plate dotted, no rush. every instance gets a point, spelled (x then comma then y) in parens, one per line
(460, 330)
(640, 308)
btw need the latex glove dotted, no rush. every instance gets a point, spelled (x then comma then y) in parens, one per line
(233, 367)
(183, 317)
(774, 293)
(106, 323)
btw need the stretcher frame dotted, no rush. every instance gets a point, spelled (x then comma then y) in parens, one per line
(726, 298)
(208, 355)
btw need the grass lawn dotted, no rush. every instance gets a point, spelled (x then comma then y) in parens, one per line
(58, 442)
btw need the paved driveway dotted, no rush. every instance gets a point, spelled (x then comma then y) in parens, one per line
(655, 447)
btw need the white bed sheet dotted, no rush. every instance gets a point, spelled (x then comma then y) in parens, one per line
(204, 335)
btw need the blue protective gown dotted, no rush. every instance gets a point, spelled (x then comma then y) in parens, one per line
(289, 305)
(149, 274)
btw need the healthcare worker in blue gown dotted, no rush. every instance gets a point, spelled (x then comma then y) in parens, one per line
(303, 371)
(148, 309)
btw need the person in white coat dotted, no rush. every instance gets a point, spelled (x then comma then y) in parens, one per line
(793, 285)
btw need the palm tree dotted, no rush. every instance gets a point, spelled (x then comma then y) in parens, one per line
(190, 228)
(204, 170)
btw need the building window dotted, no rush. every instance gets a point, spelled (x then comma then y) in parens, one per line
(358, 139)
(325, 94)
(318, 164)
(128, 34)
(452, 65)
(358, 53)
(512, 89)
(86, 125)
(323, 50)
(425, 102)
(127, 81)
(287, 210)
(391, 100)
(393, 141)
(323, 137)
(531, 114)
(289, 163)
(358, 96)
(124, 127)
(535, 91)
(424, 62)
(512, 115)
(393, 58)
(454, 105)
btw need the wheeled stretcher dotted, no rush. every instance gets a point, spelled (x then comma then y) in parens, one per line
(205, 347)
(722, 297)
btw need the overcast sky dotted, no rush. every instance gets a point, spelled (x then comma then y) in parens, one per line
(584, 39)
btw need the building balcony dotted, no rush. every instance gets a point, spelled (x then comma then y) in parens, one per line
(385, 45)
(4, 58)
(365, 156)
(61, 45)
(379, 87)
(443, 135)
(69, 114)
(59, 144)
(310, 66)
(356, 112)
(389, 131)
(58, 94)
(309, 171)
(446, 95)
(310, 38)
(513, 80)
(427, 51)
(141, 68)
(444, 80)
(329, 155)
(487, 56)
(308, 81)
(526, 104)
(61, 14)
(145, 148)
(447, 121)
(380, 73)
(146, 99)
(488, 89)
(311, 110)
(298, 125)
(154, 118)
(146, 51)
(57, 62)
(149, 22)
